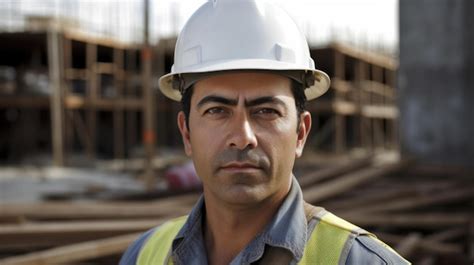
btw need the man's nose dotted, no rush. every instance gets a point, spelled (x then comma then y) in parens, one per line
(242, 135)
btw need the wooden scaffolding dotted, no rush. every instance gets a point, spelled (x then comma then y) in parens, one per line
(95, 77)
(88, 77)
(359, 111)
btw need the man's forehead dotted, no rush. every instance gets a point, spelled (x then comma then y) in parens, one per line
(243, 85)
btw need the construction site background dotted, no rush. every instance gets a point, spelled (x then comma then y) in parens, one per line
(91, 156)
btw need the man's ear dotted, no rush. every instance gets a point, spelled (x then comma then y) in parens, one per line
(303, 131)
(184, 133)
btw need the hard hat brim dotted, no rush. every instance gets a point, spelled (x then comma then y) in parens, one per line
(320, 86)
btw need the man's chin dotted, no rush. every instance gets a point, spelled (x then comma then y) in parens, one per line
(242, 194)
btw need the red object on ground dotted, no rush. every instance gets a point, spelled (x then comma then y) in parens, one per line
(182, 177)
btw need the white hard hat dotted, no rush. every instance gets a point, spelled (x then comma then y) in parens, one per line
(225, 35)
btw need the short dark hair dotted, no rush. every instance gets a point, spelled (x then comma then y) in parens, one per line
(296, 89)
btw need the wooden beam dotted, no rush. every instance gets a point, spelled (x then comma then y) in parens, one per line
(355, 203)
(408, 245)
(91, 118)
(372, 58)
(339, 120)
(430, 246)
(78, 102)
(379, 88)
(51, 234)
(25, 102)
(340, 107)
(119, 140)
(75, 252)
(420, 200)
(96, 40)
(380, 112)
(98, 210)
(57, 110)
(445, 235)
(330, 172)
(348, 181)
(149, 123)
(424, 220)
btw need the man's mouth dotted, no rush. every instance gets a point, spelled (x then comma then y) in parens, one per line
(240, 167)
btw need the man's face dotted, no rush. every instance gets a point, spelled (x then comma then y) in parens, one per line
(243, 136)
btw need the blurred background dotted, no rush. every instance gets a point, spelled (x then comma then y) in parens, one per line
(90, 154)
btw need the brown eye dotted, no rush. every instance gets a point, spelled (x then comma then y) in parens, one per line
(215, 111)
(268, 111)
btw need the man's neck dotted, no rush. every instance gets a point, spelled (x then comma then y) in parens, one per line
(229, 229)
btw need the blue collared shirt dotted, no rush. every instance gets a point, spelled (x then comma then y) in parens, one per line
(288, 229)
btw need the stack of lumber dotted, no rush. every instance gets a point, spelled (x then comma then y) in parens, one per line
(426, 215)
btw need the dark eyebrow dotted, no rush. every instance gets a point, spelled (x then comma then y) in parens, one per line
(233, 102)
(217, 99)
(264, 100)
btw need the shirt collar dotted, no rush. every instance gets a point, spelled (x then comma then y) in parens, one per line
(287, 229)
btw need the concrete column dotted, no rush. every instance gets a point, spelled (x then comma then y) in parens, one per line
(436, 81)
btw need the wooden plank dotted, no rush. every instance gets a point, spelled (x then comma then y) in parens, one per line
(97, 210)
(330, 172)
(25, 102)
(348, 181)
(378, 88)
(339, 120)
(129, 90)
(387, 192)
(341, 86)
(51, 234)
(149, 123)
(68, 114)
(339, 107)
(360, 71)
(432, 247)
(380, 112)
(355, 203)
(96, 40)
(78, 102)
(372, 86)
(420, 200)
(75, 252)
(445, 235)
(424, 220)
(369, 57)
(104, 68)
(57, 111)
(408, 245)
(119, 141)
(91, 118)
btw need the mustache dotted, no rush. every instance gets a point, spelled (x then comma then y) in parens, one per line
(255, 157)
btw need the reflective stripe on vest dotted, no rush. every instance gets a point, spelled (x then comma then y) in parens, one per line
(157, 248)
(328, 237)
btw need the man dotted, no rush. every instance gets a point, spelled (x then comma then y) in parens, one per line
(243, 73)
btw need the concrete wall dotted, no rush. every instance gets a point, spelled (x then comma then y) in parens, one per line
(436, 81)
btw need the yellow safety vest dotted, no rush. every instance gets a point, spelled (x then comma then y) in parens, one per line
(329, 237)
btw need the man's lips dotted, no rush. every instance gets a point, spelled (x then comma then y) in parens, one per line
(238, 166)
